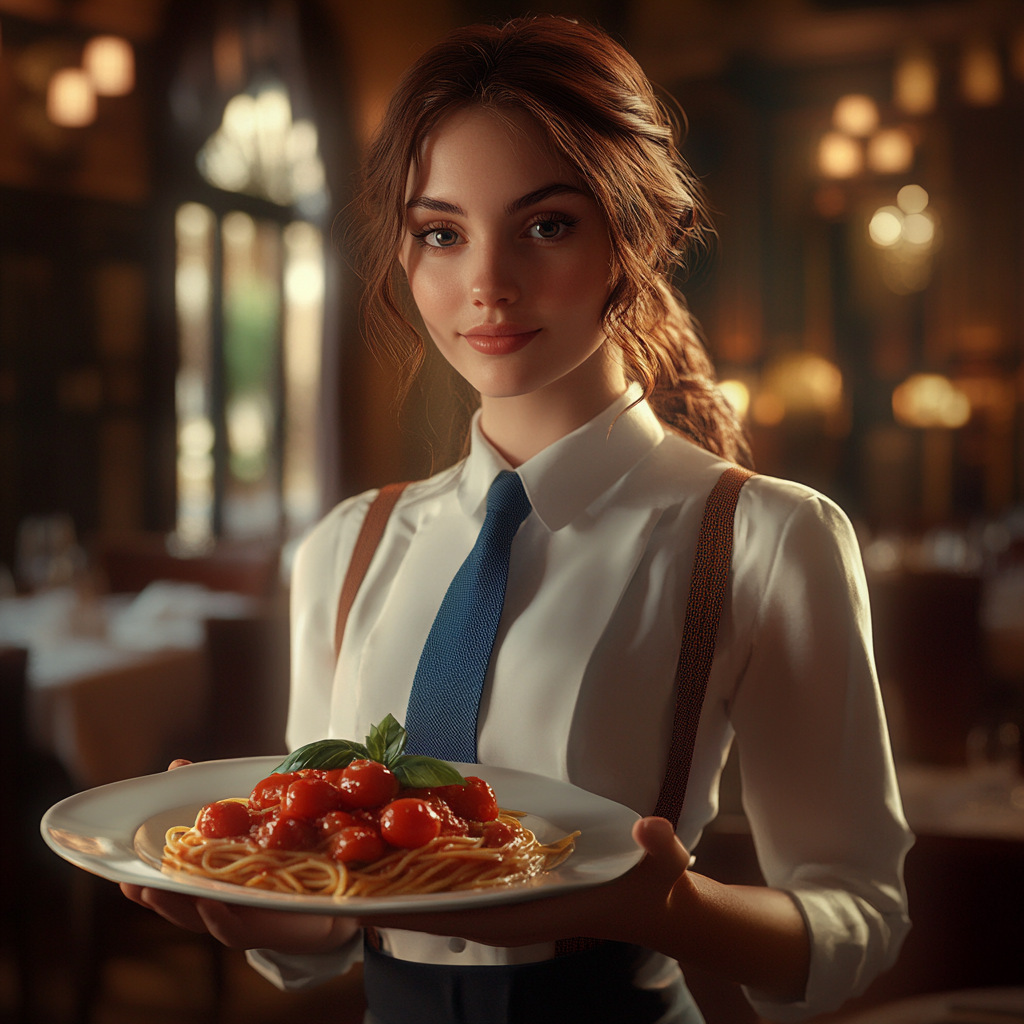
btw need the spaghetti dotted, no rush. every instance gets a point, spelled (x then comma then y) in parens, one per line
(447, 863)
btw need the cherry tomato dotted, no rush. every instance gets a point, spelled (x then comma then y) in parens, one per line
(476, 802)
(409, 823)
(309, 798)
(369, 816)
(224, 819)
(365, 784)
(360, 843)
(269, 791)
(497, 833)
(335, 822)
(451, 823)
(311, 773)
(287, 834)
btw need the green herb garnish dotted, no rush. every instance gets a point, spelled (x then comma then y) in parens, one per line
(385, 744)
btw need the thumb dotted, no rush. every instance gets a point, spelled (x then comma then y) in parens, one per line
(658, 840)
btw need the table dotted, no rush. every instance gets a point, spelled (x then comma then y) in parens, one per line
(979, 803)
(126, 719)
(116, 685)
(970, 1006)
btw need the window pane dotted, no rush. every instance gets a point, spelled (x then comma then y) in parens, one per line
(194, 231)
(303, 330)
(252, 284)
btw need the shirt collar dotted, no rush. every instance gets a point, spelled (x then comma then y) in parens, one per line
(569, 475)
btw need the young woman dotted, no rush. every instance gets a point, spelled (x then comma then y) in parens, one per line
(525, 190)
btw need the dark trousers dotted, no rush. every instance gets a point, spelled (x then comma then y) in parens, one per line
(592, 987)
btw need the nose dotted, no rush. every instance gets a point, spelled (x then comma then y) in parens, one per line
(493, 282)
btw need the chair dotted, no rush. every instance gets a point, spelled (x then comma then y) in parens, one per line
(928, 641)
(13, 863)
(247, 663)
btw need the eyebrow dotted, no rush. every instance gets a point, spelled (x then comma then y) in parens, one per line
(530, 199)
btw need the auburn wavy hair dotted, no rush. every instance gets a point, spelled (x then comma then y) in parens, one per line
(600, 115)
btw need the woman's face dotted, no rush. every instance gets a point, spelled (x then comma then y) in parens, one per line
(508, 260)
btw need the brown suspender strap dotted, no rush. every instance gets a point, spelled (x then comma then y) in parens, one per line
(376, 520)
(708, 578)
(711, 563)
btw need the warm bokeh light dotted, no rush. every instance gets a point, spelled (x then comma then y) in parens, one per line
(891, 151)
(912, 199)
(886, 226)
(907, 236)
(71, 98)
(110, 63)
(930, 400)
(839, 156)
(737, 394)
(855, 114)
(915, 82)
(804, 382)
(981, 77)
(918, 229)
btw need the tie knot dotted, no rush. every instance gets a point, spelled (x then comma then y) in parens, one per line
(507, 501)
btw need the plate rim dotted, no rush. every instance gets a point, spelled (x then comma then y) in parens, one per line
(113, 856)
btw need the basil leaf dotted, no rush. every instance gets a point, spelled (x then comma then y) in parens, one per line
(324, 754)
(415, 771)
(386, 740)
(395, 748)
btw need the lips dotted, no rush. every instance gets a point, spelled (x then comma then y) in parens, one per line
(500, 339)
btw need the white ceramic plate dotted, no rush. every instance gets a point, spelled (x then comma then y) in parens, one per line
(114, 830)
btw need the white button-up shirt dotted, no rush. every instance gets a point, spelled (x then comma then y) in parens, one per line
(581, 682)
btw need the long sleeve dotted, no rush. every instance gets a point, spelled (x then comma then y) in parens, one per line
(296, 973)
(815, 759)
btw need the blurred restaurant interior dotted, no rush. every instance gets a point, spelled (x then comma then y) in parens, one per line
(184, 391)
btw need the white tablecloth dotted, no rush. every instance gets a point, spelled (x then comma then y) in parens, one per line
(116, 687)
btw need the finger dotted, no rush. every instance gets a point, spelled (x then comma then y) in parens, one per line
(253, 928)
(133, 892)
(222, 923)
(174, 907)
(178, 762)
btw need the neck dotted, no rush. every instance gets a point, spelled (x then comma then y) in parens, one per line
(521, 426)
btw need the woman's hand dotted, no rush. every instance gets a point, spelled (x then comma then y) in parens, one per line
(748, 934)
(633, 908)
(245, 927)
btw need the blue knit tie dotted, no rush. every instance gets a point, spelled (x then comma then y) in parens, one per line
(445, 698)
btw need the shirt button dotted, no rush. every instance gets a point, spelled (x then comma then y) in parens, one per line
(456, 945)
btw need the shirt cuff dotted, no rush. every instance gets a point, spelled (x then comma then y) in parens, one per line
(851, 943)
(300, 971)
